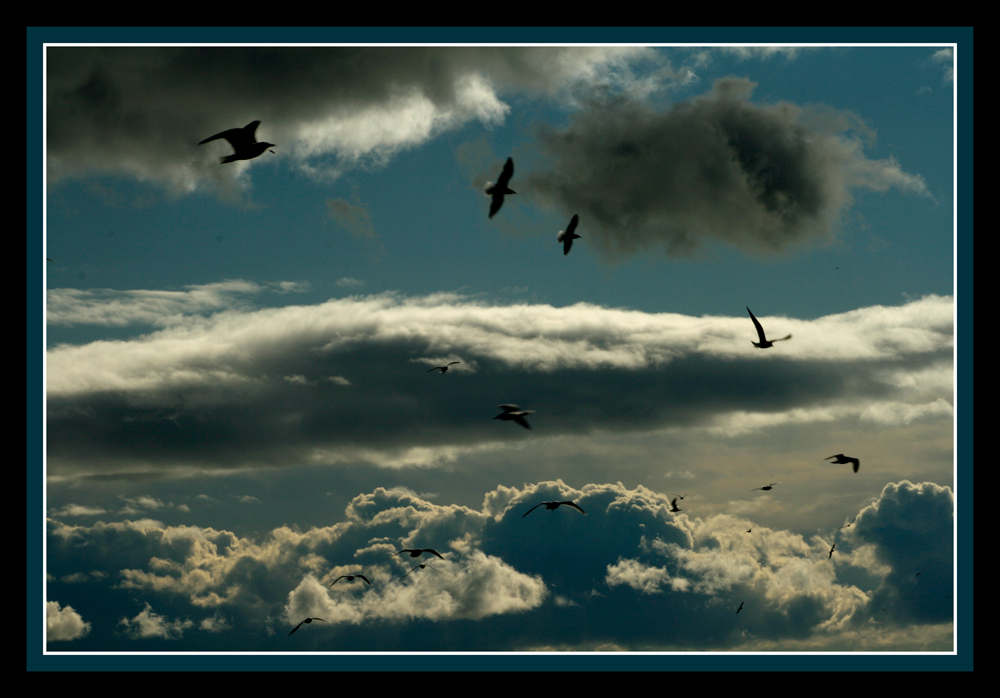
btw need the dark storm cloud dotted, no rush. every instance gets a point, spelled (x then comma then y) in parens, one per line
(719, 167)
(347, 380)
(142, 110)
(912, 528)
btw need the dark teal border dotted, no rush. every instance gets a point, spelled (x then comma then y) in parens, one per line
(37, 36)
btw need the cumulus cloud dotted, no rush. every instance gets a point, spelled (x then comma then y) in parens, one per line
(946, 57)
(343, 381)
(558, 579)
(63, 624)
(149, 624)
(761, 177)
(142, 110)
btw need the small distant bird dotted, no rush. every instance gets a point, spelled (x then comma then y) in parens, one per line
(850, 522)
(416, 552)
(350, 578)
(766, 487)
(244, 142)
(673, 506)
(681, 496)
(749, 529)
(763, 343)
(566, 237)
(47, 259)
(740, 608)
(555, 505)
(443, 369)
(500, 189)
(420, 567)
(307, 620)
(513, 413)
(831, 551)
(841, 458)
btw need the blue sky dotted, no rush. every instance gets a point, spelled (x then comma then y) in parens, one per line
(239, 408)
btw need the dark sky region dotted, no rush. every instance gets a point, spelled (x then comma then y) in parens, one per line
(239, 406)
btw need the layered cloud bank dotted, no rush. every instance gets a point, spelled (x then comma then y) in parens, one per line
(629, 574)
(346, 381)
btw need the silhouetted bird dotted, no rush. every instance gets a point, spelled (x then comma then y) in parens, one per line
(681, 496)
(244, 142)
(555, 505)
(415, 552)
(307, 620)
(420, 567)
(850, 522)
(443, 369)
(513, 413)
(841, 458)
(500, 189)
(673, 506)
(740, 608)
(749, 529)
(350, 578)
(766, 487)
(763, 343)
(831, 551)
(566, 237)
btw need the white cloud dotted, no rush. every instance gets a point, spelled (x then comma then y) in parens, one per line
(63, 624)
(149, 624)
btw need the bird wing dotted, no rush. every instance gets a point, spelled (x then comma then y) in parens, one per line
(497, 201)
(296, 627)
(567, 244)
(509, 408)
(338, 579)
(839, 455)
(760, 330)
(574, 505)
(407, 550)
(572, 224)
(436, 368)
(233, 133)
(250, 131)
(522, 421)
(508, 172)
(857, 464)
(532, 509)
(433, 552)
(361, 576)
(454, 362)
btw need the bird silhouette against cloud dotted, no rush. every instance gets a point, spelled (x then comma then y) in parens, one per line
(244, 143)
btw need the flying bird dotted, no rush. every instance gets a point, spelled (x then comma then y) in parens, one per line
(681, 496)
(500, 189)
(841, 458)
(567, 236)
(831, 551)
(350, 578)
(415, 552)
(764, 343)
(443, 369)
(749, 529)
(555, 505)
(420, 567)
(740, 608)
(244, 143)
(513, 413)
(307, 620)
(673, 506)
(850, 522)
(766, 487)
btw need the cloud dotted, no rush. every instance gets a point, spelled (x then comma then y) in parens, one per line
(946, 57)
(63, 624)
(142, 110)
(149, 624)
(761, 177)
(343, 381)
(557, 579)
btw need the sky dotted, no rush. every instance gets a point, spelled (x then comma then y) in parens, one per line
(240, 402)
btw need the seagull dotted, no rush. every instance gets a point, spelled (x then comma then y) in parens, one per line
(350, 578)
(764, 343)
(766, 487)
(831, 551)
(749, 529)
(415, 552)
(567, 236)
(307, 620)
(681, 496)
(850, 522)
(421, 567)
(841, 458)
(244, 142)
(673, 506)
(515, 414)
(553, 506)
(443, 369)
(740, 608)
(498, 190)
